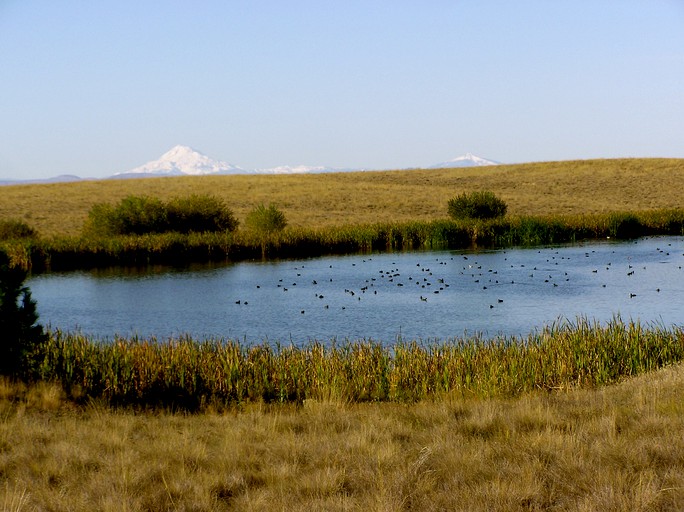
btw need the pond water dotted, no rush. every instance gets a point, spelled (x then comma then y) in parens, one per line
(412, 295)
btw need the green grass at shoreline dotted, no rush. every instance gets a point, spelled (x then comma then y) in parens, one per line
(69, 253)
(195, 375)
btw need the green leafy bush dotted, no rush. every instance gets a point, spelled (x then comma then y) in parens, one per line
(625, 226)
(140, 214)
(200, 213)
(21, 335)
(137, 215)
(11, 229)
(476, 205)
(266, 219)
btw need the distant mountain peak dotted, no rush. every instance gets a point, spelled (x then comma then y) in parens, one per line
(180, 151)
(182, 160)
(467, 160)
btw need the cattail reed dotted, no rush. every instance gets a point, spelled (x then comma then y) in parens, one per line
(188, 373)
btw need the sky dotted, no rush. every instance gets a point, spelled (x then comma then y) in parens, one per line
(96, 88)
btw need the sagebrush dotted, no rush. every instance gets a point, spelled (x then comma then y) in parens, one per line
(476, 205)
(139, 215)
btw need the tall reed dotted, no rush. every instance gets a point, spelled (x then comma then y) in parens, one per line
(192, 374)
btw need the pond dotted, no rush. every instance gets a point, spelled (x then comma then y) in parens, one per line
(409, 295)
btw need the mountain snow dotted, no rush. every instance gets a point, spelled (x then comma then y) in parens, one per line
(467, 160)
(185, 161)
(181, 160)
(300, 169)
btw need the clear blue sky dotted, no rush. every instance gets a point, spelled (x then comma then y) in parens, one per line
(94, 88)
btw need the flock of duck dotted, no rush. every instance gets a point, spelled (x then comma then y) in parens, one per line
(427, 278)
(414, 294)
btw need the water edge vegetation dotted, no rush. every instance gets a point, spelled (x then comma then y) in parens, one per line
(87, 251)
(194, 375)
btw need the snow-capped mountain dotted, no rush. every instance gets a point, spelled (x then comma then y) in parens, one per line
(185, 161)
(467, 160)
(182, 160)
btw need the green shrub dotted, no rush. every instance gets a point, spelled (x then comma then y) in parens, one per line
(266, 220)
(138, 215)
(199, 213)
(476, 205)
(625, 226)
(133, 215)
(21, 335)
(11, 229)
(100, 220)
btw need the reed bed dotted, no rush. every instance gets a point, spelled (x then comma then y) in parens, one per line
(65, 253)
(193, 374)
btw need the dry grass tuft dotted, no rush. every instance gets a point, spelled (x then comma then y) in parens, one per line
(612, 448)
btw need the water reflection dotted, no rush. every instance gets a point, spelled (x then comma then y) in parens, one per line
(421, 295)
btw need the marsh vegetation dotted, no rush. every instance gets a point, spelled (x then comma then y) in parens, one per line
(175, 248)
(197, 374)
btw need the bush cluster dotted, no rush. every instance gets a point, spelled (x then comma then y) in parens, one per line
(266, 219)
(476, 205)
(11, 229)
(137, 215)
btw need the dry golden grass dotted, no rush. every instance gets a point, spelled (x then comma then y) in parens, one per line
(617, 448)
(325, 200)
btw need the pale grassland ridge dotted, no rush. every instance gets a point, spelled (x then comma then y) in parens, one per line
(336, 199)
(613, 448)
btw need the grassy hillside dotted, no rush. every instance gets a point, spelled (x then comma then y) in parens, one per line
(325, 200)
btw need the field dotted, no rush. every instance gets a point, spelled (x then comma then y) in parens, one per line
(618, 448)
(340, 199)
(588, 421)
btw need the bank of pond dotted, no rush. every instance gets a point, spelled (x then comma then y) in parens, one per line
(89, 251)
